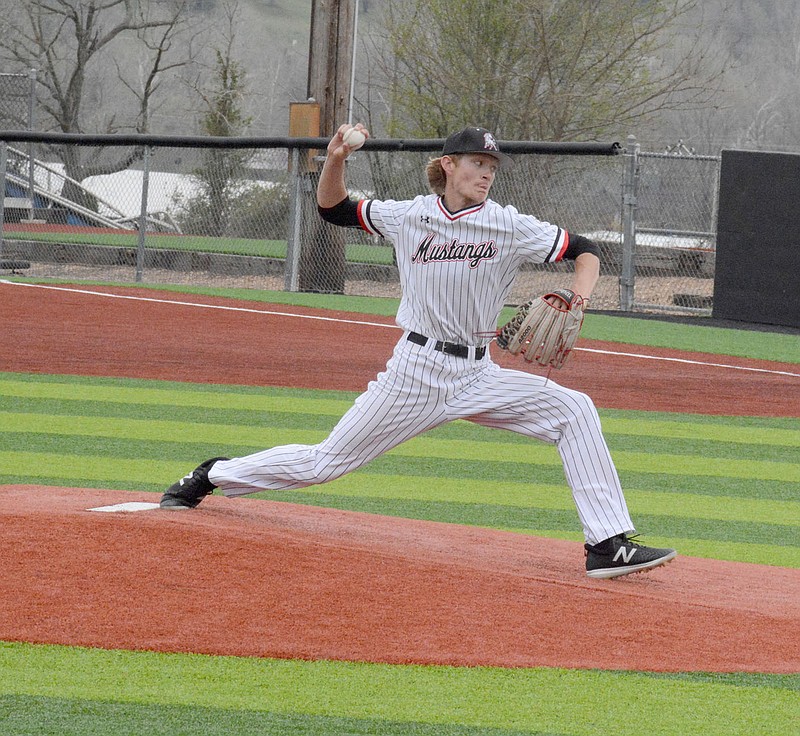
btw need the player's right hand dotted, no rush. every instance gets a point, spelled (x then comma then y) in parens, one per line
(337, 146)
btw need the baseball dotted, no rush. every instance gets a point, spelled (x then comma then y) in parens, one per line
(354, 138)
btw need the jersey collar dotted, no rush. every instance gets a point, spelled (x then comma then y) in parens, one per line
(461, 213)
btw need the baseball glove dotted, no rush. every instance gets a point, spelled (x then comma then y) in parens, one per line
(544, 330)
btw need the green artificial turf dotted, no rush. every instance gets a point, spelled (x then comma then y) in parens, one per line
(87, 691)
(354, 252)
(725, 487)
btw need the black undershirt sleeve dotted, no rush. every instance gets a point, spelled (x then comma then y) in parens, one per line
(344, 214)
(577, 245)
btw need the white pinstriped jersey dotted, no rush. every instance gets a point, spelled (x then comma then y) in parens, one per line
(457, 269)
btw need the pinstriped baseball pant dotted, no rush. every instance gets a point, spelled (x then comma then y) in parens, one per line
(421, 389)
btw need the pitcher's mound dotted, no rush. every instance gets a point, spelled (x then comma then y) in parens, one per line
(256, 578)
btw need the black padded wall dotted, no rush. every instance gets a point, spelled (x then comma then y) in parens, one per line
(757, 273)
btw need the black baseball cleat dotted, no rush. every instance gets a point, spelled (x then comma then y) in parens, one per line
(620, 555)
(191, 489)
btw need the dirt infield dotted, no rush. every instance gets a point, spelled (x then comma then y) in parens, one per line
(255, 578)
(207, 340)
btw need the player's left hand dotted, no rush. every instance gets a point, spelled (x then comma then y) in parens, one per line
(546, 329)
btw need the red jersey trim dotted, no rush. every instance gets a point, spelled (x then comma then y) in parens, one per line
(564, 247)
(364, 219)
(360, 213)
(461, 213)
(560, 246)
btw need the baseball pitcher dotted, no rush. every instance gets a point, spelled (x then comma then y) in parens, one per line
(458, 253)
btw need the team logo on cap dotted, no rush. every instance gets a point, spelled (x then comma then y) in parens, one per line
(489, 143)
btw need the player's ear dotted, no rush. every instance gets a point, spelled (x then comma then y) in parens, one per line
(448, 164)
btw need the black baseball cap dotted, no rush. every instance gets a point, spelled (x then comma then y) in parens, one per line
(475, 140)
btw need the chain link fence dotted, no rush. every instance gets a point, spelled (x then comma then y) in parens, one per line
(186, 213)
(17, 106)
(17, 100)
(673, 243)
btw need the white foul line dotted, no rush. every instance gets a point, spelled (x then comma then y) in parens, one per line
(199, 304)
(690, 362)
(380, 324)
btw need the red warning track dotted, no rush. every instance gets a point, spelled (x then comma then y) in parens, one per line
(159, 335)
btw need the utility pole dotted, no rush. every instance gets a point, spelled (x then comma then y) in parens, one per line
(330, 69)
(331, 60)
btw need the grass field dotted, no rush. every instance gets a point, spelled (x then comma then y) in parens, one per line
(354, 252)
(720, 487)
(716, 486)
(84, 691)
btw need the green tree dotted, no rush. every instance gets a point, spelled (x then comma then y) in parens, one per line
(221, 173)
(230, 203)
(555, 70)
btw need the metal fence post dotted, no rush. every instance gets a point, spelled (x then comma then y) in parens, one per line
(292, 267)
(630, 185)
(31, 150)
(3, 160)
(143, 213)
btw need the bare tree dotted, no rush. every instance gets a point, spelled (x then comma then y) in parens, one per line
(155, 50)
(72, 44)
(772, 110)
(759, 103)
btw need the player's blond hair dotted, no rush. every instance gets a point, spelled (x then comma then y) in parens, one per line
(437, 179)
